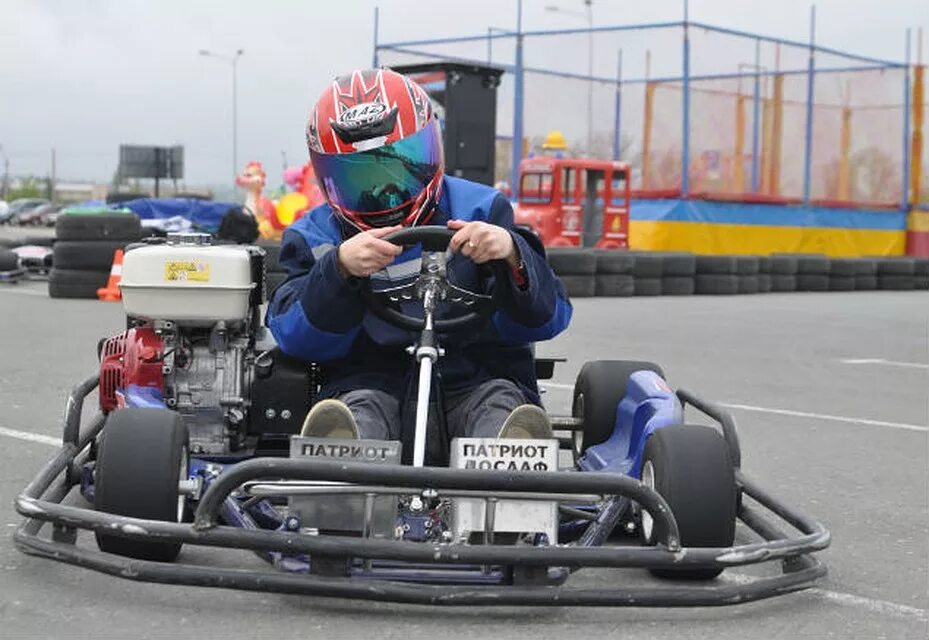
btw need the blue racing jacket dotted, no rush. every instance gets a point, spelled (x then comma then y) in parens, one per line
(319, 316)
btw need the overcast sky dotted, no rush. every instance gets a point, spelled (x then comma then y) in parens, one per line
(83, 76)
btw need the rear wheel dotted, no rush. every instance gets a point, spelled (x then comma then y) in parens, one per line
(600, 386)
(143, 455)
(690, 467)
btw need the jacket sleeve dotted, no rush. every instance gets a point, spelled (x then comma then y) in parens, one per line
(315, 314)
(540, 310)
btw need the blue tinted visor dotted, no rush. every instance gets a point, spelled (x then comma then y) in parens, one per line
(384, 178)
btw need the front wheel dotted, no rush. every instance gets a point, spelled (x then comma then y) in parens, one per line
(142, 457)
(690, 467)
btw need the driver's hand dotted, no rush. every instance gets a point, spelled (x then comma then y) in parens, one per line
(366, 253)
(482, 242)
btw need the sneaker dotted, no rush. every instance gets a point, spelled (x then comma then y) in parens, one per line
(330, 419)
(527, 421)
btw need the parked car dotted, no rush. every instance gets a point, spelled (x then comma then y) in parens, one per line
(4, 210)
(39, 215)
(21, 206)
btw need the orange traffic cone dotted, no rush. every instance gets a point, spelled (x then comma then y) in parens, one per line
(111, 292)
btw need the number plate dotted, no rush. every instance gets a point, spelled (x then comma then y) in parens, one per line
(341, 513)
(515, 516)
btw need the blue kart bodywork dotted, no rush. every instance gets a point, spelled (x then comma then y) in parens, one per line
(649, 404)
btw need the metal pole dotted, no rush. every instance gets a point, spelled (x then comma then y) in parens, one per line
(54, 178)
(590, 73)
(685, 132)
(517, 151)
(905, 200)
(374, 60)
(808, 150)
(618, 121)
(756, 120)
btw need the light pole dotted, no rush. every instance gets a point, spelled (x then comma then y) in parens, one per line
(6, 173)
(589, 15)
(232, 60)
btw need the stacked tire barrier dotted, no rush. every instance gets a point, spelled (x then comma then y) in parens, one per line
(608, 273)
(275, 274)
(83, 253)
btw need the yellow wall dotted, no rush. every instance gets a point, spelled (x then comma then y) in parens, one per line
(720, 239)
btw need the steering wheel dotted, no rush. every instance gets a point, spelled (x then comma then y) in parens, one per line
(433, 283)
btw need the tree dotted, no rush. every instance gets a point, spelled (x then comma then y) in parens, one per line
(29, 187)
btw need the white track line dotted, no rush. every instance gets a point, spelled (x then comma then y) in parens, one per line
(888, 363)
(849, 600)
(788, 412)
(30, 437)
(823, 416)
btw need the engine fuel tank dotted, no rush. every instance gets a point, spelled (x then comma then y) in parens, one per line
(187, 282)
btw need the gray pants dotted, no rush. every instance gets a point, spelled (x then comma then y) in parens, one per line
(478, 412)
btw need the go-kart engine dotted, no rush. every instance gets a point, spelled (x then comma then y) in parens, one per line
(194, 311)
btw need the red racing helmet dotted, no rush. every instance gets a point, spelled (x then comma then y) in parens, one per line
(376, 148)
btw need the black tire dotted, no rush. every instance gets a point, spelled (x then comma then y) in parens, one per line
(679, 264)
(782, 283)
(599, 387)
(139, 461)
(865, 267)
(764, 264)
(9, 261)
(841, 283)
(693, 472)
(716, 265)
(614, 285)
(678, 286)
(274, 280)
(896, 283)
(90, 255)
(272, 256)
(747, 265)
(921, 266)
(69, 283)
(749, 284)
(843, 267)
(614, 261)
(647, 286)
(865, 283)
(812, 282)
(580, 286)
(921, 281)
(764, 283)
(572, 262)
(783, 265)
(812, 264)
(716, 284)
(39, 241)
(648, 265)
(98, 226)
(896, 266)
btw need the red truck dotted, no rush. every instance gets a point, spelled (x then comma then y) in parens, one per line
(575, 202)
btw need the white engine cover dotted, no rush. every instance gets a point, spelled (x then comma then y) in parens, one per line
(186, 283)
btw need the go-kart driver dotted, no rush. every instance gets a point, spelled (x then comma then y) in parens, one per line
(376, 147)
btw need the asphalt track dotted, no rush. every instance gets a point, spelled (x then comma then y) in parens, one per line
(830, 393)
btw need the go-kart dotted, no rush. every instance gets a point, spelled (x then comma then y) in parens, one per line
(197, 444)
